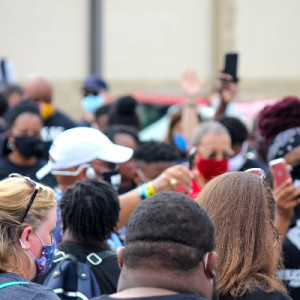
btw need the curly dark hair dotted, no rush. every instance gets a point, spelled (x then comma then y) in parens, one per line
(90, 210)
(169, 230)
(154, 151)
(279, 117)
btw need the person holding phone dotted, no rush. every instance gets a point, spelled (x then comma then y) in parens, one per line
(228, 82)
(279, 125)
(192, 86)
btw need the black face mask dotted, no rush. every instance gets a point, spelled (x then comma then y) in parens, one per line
(113, 177)
(29, 146)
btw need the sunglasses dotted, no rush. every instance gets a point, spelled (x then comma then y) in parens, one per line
(36, 186)
(258, 172)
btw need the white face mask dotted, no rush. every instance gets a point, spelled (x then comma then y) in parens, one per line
(236, 162)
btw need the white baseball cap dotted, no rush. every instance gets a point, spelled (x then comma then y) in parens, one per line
(79, 145)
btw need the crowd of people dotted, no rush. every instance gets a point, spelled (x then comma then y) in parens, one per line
(195, 216)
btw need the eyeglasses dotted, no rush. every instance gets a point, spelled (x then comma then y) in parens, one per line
(258, 172)
(37, 187)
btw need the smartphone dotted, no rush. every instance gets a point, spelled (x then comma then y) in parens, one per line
(231, 63)
(191, 157)
(279, 171)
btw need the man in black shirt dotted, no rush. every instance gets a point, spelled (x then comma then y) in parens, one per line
(168, 252)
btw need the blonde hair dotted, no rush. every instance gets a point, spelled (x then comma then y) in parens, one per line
(243, 212)
(15, 194)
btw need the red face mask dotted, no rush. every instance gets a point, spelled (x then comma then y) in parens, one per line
(210, 168)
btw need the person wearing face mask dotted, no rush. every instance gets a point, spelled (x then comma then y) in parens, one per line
(212, 150)
(83, 152)
(239, 142)
(22, 145)
(125, 136)
(27, 217)
(95, 95)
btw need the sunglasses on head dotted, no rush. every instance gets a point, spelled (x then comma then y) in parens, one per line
(36, 187)
(258, 172)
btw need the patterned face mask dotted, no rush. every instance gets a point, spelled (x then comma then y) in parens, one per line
(44, 263)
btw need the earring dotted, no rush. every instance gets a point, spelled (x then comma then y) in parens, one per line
(11, 145)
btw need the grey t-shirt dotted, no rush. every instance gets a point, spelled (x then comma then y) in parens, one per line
(30, 291)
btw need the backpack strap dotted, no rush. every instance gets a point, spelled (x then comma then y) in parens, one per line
(7, 284)
(95, 259)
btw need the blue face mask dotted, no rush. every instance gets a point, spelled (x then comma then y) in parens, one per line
(91, 102)
(44, 263)
(180, 142)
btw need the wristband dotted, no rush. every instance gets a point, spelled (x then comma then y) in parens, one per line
(146, 190)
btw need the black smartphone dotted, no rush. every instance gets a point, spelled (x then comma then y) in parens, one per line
(191, 157)
(231, 63)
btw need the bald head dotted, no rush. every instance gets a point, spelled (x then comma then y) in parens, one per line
(38, 88)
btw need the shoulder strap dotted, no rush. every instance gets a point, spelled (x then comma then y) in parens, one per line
(7, 284)
(97, 258)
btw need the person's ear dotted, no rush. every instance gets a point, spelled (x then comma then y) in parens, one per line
(209, 259)
(26, 237)
(120, 256)
(82, 174)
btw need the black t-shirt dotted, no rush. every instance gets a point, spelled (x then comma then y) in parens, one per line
(164, 297)
(260, 295)
(107, 272)
(7, 167)
(52, 127)
(30, 291)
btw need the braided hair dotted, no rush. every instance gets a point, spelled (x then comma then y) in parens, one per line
(90, 210)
